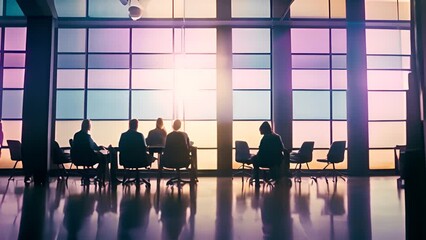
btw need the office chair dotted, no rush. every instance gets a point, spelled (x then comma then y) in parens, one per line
(83, 159)
(303, 156)
(131, 162)
(243, 156)
(176, 158)
(59, 157)
(336, 154)
(15, 154)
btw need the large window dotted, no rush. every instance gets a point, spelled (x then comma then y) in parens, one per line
(110, 75)
(319, 88)
(13, 45)
(388, 65)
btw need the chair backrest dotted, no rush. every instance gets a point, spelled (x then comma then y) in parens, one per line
(336, 154)
(58, 155)
(305, 151)
(15, 149)
(242, 151)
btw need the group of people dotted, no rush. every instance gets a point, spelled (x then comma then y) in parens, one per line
(133, 148)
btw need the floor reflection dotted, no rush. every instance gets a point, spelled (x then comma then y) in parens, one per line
(215, 208)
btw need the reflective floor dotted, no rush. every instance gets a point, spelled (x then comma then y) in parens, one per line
(215, 208)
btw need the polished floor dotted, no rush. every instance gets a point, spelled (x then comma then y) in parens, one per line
(215, 208)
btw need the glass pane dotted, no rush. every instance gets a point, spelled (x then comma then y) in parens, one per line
(305, 40)
(388, 62)
(152, 104)
(190, 80)
(252, 105)
(202, 133)
(251, 79)
(398, 41)
(1, 7)
(311, 105)
(339, 79)
(251, 61)
(309, 9)
(387, 80)
(199, 105)
(107, 9)
(15, 39)
(152, 40)
(200, 40)
(309, 131)
(338, 61)
(339, 105)
(340, 131)
(381, 10)
(338, 40)
(195, 8)
(153, 61)
(152, 79)
(76, 8)
(246, 131)
(338, 8)
(195, 61)
(109, 40)
(108, 132)
(71, 40)
(404, 10)
(13, 78)
(157, 9)
(12, 103)
(70, 78)
(69, 104)
(71, 61)
(251, 8)
(108, 104)
(109, 61)
(13, 9)
(65, 130)
(14, 60)
(118, 79)
(311, 61)
(206, 159)
(311, 79)
(386, 134)
(251, 40)
(382, 159)
(12, 130)
(387, 106)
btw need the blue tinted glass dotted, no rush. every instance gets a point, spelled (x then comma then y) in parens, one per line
(252, 105)
(388, 62)
(70, 104)
(107, 9)
(13, 9)
(75, 8)
(12, 104)
(108, 104)
(338, 61)
(71, 61)
(251, 61)
(1, 7)
(71, 40)
(152, 104)
(311, 105)
(108, 61)
(339, 104)
(152, 61)
(310, 61)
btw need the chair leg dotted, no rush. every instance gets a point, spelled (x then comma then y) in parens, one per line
(13, 173)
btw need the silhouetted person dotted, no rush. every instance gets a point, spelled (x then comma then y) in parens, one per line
(157, 136)
(271, 153)
(86, 150)
(78, 210)
(177, 147)
(133, 147)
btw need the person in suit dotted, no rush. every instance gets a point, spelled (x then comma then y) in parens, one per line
(157, 136)
(133, 148)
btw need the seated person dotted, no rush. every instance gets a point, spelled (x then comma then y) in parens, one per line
(271, 153)
(157, 136)
(176, 151)
(133, 148)
(84, 151)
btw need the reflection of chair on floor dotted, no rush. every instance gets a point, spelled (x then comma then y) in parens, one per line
(302, 206)
(336, 154)
(334, 205)
(242, 155)
(303, 156)
(15, 154)
(59, 157)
